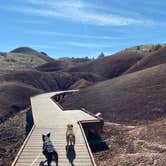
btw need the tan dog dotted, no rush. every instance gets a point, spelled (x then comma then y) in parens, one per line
(70, 136)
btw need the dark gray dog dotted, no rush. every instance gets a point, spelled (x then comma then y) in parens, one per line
(49, 150)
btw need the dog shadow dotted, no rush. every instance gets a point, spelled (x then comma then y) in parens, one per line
(70, 153)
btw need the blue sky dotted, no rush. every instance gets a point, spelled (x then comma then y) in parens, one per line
(79, 28)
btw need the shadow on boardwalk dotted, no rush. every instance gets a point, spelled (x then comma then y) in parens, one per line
(96, 143)
(70, 153)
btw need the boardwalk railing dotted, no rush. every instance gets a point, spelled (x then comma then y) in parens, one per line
(22, 147)
(87, 144)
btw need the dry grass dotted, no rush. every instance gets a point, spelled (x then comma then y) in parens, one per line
(12, 135)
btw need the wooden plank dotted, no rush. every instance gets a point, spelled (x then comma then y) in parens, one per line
(22, 147)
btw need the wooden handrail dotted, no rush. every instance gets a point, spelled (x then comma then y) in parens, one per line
(87, 145)
(92, 114)
(62, 92)
(52, 98)
(22, 147)
(82, 109)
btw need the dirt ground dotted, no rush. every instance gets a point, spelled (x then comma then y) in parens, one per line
(142, 145)
(12, 135)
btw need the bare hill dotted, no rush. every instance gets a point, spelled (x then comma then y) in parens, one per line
(14, 97)
(31, 78)
(111, 66)
(30, 51)
(58, 65)
(63, 64)
(153, 59)
(25, 50)
(82, 83)
(47, 81)
(146, 47)
(22, 58)
(135, 97)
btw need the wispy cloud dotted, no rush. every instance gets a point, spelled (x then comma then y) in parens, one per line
(71, 44)
(93, 44)
(79, 11)
(70, 35)
(87, 45)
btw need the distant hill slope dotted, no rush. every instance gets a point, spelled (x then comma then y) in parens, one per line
(25, 50)
(129, 60)
(30, 51)
(111, 66)
(50, 81)
(14, 97)
(153, 59)
(146, 47)
(63, 64)
(22, 58)
(82, 83)
(134, 97)
(54, 66)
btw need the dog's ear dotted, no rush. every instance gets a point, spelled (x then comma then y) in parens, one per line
(48, 135)
(43, 137)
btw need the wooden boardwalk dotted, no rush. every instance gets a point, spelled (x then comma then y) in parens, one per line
(49, 117)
